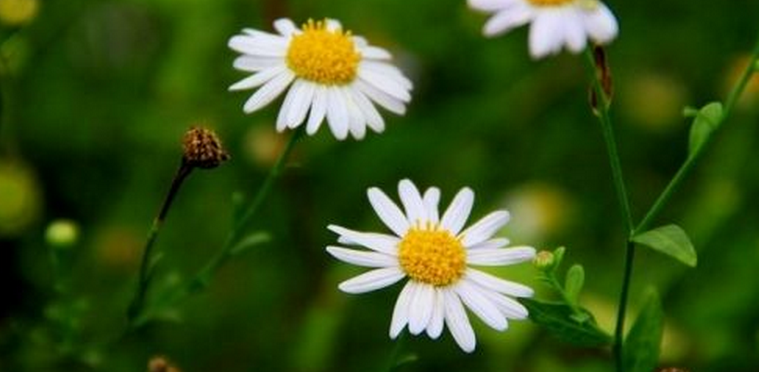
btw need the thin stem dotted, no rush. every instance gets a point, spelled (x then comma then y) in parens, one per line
(619, 185)
(204, 275)
(602, 109)
(145, 266)
(687, 166)
(202, 279)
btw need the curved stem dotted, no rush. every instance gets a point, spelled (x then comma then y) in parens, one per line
(135, 308)
(685, 169)
(203, 277)
(602, 109)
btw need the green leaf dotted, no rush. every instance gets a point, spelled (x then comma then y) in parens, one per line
(250, 241)
(670, 240)
(559, 319)
(706, 121)
(574, 282)
(558, 256)
(641, 352)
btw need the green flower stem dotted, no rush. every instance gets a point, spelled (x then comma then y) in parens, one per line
(202, 279)
(602, 112)
(687, 166)
(602, 109)
(138, 302)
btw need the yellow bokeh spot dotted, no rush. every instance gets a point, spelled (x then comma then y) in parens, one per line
(18, 12)
(432, 256)
(324, 56)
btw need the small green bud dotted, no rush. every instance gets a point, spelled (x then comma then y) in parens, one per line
(62, 234)
(544, 260)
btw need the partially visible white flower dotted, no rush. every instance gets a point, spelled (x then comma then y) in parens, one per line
(434, 252)
(331, 73)
(555, 23)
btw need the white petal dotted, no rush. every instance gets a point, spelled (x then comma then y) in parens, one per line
(337, 114)
(268, 92)
(386, 244)
(457, 213)
(401, 310)
(300, 105)
(372, 280)
(420, 311)
(333, 24)
(255, 64)
(545, 34)
(287, 105)
(574, 32)
(435, 326)
(285, 26)
(388, 71)
(500, 257)
(372, 52)
(388, 85)
(387, 211)
(481, 306)
(509, 307)
(259, 79)
(457, 322)
(318, 110)
(356, 121)
(507, 20)
(412, 202)
(372, 116)
(497, 284)
(431, 199)
(383, 99)
(491, 244)
(256, 47)
(362, 258)
(484, 229)
(491, 5)
(601, 24)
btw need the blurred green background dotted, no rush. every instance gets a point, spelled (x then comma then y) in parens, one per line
(96, 95)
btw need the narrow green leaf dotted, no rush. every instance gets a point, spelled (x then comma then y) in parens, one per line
(250, 241)
(559, 319)
(670, 240)
(641, 352)
(706, 121)
(574, 282)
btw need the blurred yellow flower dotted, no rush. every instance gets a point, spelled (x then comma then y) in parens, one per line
(20, 198)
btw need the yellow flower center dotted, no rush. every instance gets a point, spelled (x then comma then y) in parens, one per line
(432, 256)
(548, 3)
(323, 56)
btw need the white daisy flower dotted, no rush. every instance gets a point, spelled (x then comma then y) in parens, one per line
(555, 23)
(331, 74)
(434, 253)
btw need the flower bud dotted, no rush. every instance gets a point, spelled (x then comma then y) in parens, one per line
(62, 234)
(544, 260)
(203, 149)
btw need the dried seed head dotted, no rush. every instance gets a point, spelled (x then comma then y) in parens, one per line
(161, 364)
(203, 149)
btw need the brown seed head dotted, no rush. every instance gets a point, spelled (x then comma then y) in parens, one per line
(203, 149)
